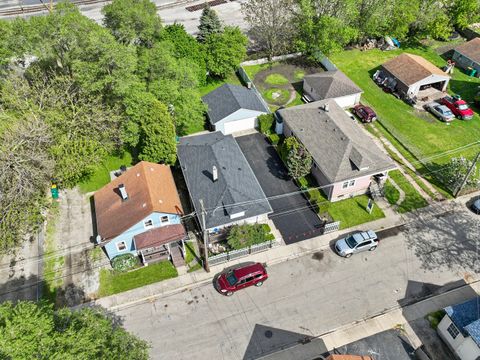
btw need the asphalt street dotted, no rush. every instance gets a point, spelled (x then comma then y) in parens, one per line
(311, 295)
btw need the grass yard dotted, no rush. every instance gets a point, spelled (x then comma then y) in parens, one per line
(114, 283)
(276, 95)
(213, 83)
(419, 133)
(276, 79)
(101, 175)
(391, 193)
(413, 200)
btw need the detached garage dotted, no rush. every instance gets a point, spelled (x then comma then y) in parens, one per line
(412, 74)
(233, 108)
(331, 85)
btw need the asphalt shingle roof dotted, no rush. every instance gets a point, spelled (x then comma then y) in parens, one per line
(470, 49)
(336, 143)
(410, 69)
(236, 182)
(332, 84)
(229, 98)
(466, 317)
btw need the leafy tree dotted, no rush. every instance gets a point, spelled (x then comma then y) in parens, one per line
(185, 46)
(289, 143)
(133, 22)
(174, 82)
(35, 331)
(270, 24)
(464, 12)
(455, 171)
(225, 51)
(398, 15)
(209, 24)
(265, 123)
(299, 162)
(25, 169)
(156, 130)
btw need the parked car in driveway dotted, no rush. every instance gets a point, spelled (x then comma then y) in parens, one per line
(241, 277)
(476, 206)
(357, 242)
(458, 107)
(365, 113)
(440, 111)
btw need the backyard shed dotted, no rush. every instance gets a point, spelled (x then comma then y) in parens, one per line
(233, 108)
(412, 74)
(332, 85)
(467, 55)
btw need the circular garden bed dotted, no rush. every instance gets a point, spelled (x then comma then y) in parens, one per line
(276, 96)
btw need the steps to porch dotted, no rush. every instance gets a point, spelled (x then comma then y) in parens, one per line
(177, 256)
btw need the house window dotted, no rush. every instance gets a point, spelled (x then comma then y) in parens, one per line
(164, 219)
(121, 246)
(148, 223)
(351, 183)
(345, 185)
(453, 331)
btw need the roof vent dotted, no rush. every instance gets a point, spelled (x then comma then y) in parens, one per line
(144, 205)
(123, 192)
(214, 173)
(138, 174)
(326, 107)
(151, 169)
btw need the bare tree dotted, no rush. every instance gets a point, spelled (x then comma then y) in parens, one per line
(270, 24)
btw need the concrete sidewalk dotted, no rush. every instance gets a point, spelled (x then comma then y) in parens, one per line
(270, 257)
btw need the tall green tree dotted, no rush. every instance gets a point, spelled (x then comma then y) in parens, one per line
(299, 161)
(209, 24)
(270, 24)
(464, 12)
(35, 331)
(156, 131)
(225, 51)
(133, 22)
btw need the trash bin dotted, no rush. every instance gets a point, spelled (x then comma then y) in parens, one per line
(54, 191)
(471, 71)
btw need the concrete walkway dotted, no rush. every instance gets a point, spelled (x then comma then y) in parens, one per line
(270, 257)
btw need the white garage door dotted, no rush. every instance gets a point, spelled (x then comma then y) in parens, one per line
(239, 125)
(346, 101)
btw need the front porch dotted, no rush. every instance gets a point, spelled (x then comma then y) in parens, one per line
(426, 96)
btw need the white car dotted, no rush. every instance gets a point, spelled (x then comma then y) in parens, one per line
(358, 242)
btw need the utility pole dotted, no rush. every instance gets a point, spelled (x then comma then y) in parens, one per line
(205, 236)
(469, 172)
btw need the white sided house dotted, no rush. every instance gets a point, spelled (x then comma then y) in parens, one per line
(460, 329)
(411, 74)
(331, 85)
(217, 173)
(345, 159)
(233, 108)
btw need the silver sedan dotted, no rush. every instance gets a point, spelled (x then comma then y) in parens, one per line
(440, 111)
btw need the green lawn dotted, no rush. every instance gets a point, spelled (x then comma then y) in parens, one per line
(276, 79)
(282, 95)
(213, 83)
(101, 175)
(352, 212)
(419, 133)
(114, 283)
(252, 70)
(391, 193)
(413, 200)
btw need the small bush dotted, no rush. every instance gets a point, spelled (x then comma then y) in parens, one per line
(245, 235)
(122, 263)
(274, 139)
(302, 182)
(265, 123)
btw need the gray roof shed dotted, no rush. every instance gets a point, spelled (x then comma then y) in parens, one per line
(228, 99)
(332, 84)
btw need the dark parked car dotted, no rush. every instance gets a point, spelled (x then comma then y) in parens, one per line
(365, 113)
(476, 206)
(241, 277)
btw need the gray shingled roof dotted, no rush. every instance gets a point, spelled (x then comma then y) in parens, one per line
(332, 84)
(336, 143)
(229, 98)
(236, 182)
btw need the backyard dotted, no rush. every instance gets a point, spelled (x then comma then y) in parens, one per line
(281, 82)
(418, 135)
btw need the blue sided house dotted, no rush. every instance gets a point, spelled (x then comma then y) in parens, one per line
(140, 212)
(460, 329)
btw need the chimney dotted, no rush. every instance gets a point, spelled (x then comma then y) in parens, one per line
(214, 173)
(326, 108)
(123, 192)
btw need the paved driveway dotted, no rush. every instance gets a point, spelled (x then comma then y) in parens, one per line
(292, 214)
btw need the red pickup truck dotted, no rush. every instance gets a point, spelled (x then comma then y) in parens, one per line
(458, 107)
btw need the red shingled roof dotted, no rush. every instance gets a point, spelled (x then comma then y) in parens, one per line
(159, 236)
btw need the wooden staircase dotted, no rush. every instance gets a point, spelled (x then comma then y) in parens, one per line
(177, 256)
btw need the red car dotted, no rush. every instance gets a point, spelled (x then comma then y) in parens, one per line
(458, 107)
(365, 113)
(241, 277)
